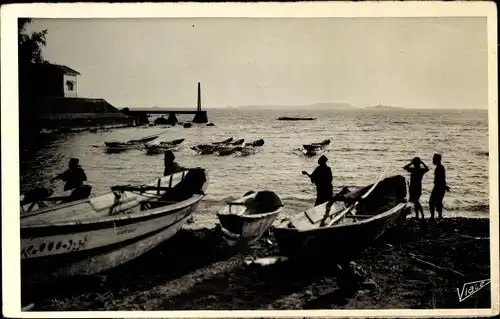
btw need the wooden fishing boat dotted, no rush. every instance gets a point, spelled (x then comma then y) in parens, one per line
(204, 149)
(163, 146)
(227, 150)
(40, 198)
(95, 234)
(286, 118)
(237, 142)
(314, 149)
(252, 147)
(342, 228)
(223, 142)
(245, 220)
(116, 146)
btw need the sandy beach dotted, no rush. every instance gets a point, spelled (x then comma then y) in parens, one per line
(195, 271)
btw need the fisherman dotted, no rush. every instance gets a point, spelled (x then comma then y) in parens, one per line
(171, 167)
(416, 174)
(440, 187)
(74, 176)
(322, 178)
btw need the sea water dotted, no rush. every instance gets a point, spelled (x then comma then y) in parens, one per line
(363, 143)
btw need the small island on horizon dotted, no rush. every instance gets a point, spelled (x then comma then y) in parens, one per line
(382, 106)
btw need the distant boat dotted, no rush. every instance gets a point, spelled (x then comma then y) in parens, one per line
(315, 148)
(286, 118)
(114, 147)
(237, 142)
(245, 220)
(204, 149)
(227, 150)
(252, 147)
(163, 146)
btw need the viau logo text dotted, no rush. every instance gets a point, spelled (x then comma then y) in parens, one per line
(471, 288)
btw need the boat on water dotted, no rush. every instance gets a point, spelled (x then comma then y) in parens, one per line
(237, 142)
(40, 198)
(314, 149)
(223, 142)
(98, 233)
(245, 220)
(161, 147)
(205, 149)
(227, 150)
(251, 148)
(116, 146)
(342, 228)
(286, 118)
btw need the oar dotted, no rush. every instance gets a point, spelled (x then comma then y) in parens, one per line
(350, 208)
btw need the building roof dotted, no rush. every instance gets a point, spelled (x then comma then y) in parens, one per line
(62, 68)
(58, 105)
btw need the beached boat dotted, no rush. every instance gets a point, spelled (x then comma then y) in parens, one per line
(95, 234)
(40, 198)
(163, 146)
(342, 228)
(245, 220)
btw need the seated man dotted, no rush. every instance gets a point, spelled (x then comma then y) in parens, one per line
(171, 167)
(74, 176)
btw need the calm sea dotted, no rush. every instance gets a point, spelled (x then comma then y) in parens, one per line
(363, 143)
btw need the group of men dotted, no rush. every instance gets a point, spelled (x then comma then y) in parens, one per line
(322, 178)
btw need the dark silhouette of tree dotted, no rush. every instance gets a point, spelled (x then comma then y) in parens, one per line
(29, 53)
(30, 45)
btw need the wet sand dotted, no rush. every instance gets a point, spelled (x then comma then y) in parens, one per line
(195, 271)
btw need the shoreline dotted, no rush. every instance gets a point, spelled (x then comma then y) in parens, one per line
(194, 271)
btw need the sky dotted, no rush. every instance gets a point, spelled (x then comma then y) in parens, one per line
(404, 62)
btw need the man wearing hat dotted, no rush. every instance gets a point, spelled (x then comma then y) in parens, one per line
(73, 177)
(439, 189)
(171, 167)
(322, 178)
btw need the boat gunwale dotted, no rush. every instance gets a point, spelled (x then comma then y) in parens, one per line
(254, 216)
(88, 199)
(392, 210)
(111, 218)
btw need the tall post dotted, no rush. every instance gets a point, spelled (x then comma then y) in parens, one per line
(199, 97)
(200, 116)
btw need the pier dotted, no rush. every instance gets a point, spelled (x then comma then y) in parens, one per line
(139, 114)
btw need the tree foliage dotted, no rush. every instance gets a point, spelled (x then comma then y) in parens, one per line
(30, 45)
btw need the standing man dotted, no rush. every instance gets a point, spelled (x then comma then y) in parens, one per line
(416, 174)
(440, 187)
(322, 178)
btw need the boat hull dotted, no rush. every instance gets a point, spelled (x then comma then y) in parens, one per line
(244, 224)
(250, 229)
(86, 247)
(347, 237)
(340, 243)
(89, 262)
